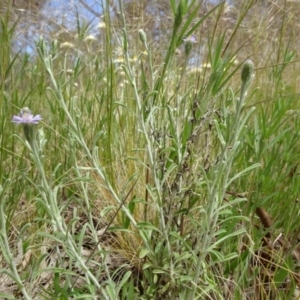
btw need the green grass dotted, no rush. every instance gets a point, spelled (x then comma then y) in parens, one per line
(147, 174)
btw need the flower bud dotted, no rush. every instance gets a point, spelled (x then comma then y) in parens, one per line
(143, 37)
(247, 71)
(189, 41)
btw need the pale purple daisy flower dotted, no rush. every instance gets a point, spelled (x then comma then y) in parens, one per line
(26, 117)
(191, 39)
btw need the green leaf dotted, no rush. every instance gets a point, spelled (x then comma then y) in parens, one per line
(242, 173)
(229, 235)
(143, 253)
(146, 225)
(173, 6)
(147, 265)
(159, 271)
(230, 266)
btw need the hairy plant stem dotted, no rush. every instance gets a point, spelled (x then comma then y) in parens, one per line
(53, 210)
(217, 190)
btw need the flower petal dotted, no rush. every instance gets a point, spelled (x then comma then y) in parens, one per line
(36, 119)
(17, 119)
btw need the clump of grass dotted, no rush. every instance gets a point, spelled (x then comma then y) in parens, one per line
(146, 179)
